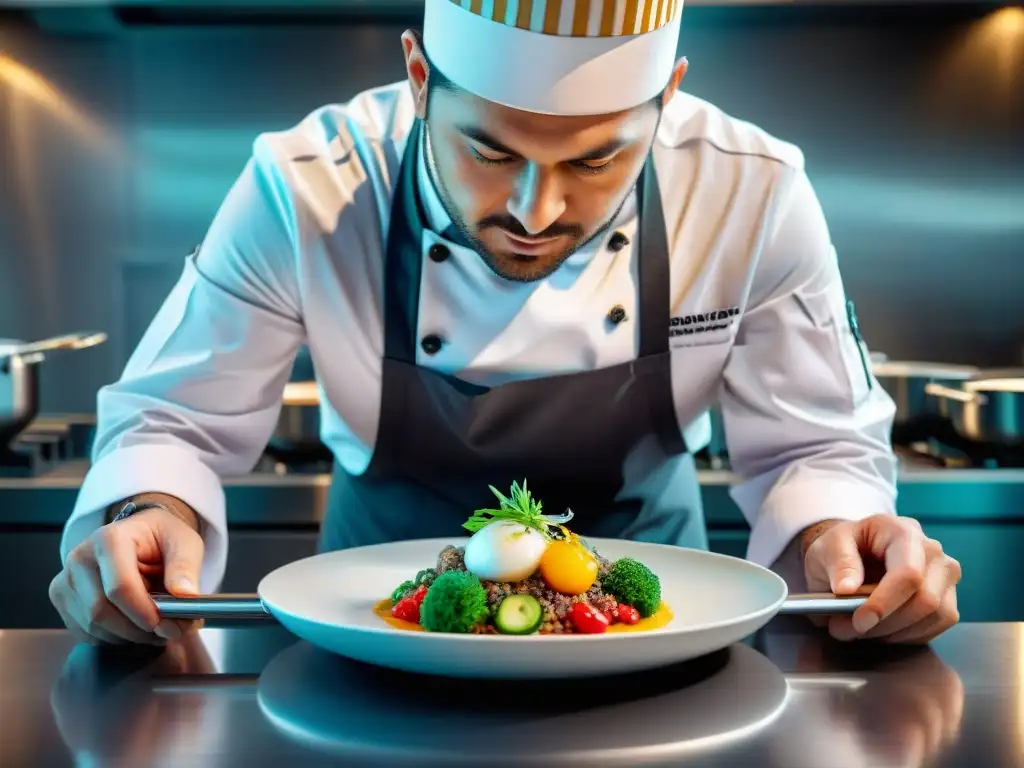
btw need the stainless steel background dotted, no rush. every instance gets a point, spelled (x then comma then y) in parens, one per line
(117, 145)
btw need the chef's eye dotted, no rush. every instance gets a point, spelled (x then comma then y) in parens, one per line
(489, 158)
(593, 166)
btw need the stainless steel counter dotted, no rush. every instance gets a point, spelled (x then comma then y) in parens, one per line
(789, 697)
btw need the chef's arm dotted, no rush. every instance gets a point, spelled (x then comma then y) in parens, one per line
(201, 393)
(807, 425)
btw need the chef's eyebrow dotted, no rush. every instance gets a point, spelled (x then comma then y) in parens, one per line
(482, 137)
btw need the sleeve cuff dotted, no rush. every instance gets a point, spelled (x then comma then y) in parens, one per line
(166, 469)
(792, 507)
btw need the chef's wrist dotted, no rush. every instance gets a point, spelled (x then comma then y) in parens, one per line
(166, 502)
(812, 533)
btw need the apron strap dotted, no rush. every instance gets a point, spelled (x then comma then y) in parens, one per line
(654, 272)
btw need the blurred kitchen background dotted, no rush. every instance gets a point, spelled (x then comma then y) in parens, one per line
(122, 126)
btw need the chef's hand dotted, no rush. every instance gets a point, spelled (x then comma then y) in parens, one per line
(915, 600)
(103, 592)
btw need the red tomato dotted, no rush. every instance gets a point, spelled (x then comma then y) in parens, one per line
(587, 619)
(418, 595)
(628, 614)
(407, 609)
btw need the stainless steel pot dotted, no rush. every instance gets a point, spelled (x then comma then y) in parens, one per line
(19, 378)
(988, 407)
(907, 381)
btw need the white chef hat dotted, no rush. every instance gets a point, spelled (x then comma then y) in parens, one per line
(556, 57)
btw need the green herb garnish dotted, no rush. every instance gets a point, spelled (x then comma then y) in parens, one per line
(520, 508)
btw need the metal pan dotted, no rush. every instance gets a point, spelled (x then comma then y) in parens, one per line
(328, 600)
(906, 383)
(19, 378)
(988, 407)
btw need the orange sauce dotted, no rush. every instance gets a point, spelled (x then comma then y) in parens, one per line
(657, 620)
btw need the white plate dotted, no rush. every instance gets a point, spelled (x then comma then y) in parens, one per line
(353, 712)
(328, 600)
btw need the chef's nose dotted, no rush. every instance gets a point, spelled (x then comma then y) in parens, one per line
(538, 200)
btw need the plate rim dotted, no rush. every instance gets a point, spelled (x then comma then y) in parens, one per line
(457, 637)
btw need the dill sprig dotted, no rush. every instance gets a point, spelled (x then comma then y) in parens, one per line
(520, 508)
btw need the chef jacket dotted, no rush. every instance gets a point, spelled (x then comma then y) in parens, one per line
(759, 323)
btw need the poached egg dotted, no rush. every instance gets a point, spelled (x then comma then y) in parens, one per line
(505, 551)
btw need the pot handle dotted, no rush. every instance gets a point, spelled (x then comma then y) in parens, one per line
(35, 352)
(951, 393)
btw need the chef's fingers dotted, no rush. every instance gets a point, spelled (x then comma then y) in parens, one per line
(900, 542)
(93, 611)
(118, 560)
(58, 596)
(841, 558)
(182, 550)
(930, 627)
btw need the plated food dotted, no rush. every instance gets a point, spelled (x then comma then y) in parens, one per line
(523, 573)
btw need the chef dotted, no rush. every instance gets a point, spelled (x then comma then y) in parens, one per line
(535, 260)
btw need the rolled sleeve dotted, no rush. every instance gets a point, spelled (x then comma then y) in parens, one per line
(170, 469)
(807, 425)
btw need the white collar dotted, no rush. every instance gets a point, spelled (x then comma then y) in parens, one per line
(438, 220)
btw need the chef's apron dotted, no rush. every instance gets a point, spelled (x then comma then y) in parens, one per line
(571, 438)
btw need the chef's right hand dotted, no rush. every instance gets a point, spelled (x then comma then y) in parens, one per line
(103, 592)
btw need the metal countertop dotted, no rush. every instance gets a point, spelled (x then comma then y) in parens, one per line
(253, 696)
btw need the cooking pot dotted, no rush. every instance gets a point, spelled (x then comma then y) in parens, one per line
(297, 435)
(906, 382)
(988, 407)
(19, 378)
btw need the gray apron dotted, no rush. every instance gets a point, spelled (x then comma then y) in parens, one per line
(442, 441)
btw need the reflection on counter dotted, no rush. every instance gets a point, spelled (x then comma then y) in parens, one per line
(789, 697)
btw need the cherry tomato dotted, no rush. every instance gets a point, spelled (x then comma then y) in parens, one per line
(407, 609)
(568, 567)
(418, 595)
(587, 619)
(628, 614)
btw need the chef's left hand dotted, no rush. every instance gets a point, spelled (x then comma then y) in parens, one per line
(915, 600)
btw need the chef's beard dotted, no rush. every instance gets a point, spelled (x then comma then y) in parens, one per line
(524, 274)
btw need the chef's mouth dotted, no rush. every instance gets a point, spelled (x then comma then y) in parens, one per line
(527, 249)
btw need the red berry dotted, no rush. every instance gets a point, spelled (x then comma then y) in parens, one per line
(628, 614)
(588, 619)
(407, 609)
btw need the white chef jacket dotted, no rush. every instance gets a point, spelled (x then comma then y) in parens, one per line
(295, 256)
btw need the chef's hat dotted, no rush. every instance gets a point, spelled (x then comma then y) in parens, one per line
(557, 57)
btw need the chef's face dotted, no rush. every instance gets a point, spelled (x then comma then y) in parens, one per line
(528, 190)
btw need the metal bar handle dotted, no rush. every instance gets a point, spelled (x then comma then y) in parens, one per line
(249, 606)
(223, 606)
(821, 603)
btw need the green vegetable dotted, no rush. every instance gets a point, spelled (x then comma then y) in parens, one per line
(455, 602)
(426, 577)
(521, 508)
(633, 583)
(519, 615)
(401, 590)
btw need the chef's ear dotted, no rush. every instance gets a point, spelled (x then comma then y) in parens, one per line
(418, 69)
(678, 73)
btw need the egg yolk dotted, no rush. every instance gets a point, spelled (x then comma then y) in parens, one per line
(568, 567)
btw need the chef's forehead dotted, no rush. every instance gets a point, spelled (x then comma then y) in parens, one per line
(459, 109)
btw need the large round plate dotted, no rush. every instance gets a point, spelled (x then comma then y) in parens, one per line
(368, 716)
(328, 600)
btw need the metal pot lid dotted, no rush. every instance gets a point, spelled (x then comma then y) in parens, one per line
(997, 380)
(910, 369)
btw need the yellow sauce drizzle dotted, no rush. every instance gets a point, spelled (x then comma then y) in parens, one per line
(657, 620)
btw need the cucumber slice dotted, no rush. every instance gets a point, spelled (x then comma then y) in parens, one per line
(519, 615)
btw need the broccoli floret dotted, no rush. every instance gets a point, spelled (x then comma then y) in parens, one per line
(633, 583)
(455, 602)
(426, 577)
(402, 590)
